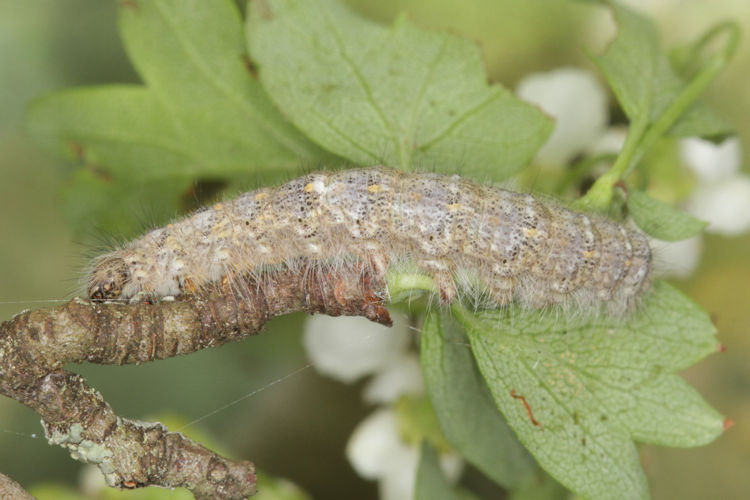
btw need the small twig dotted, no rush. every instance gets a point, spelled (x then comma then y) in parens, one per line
(35, 345)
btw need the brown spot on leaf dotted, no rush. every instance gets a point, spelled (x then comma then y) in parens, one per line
(527, 406)
(250, 66)
(264, 9)
(99, 172)
(76, 148)
(129, 4)
(728, 423)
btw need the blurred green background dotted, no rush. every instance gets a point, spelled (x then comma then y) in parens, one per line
(298, 428)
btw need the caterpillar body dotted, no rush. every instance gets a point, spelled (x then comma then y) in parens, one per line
(518, 247)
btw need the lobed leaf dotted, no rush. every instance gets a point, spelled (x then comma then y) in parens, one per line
(118, 128)
(400, 96)
(669, 412)
(661, 220)
(201, 115)
(578, 390)
(643, 80)
(192, 55)
(631, 61)
(464, 405)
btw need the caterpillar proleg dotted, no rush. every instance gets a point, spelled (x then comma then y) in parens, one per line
(519, 247)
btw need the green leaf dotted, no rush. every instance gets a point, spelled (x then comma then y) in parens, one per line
(631, 61)
(201, 114)
(401, 96)
(669, 412)
(54, 491)
(431, 483)
(464, 406)
(540, 486)
(271, 488)
(118, 128)
(652, 95)
(661, 220)
(417, 422)
(192, 55)
(643, 80)
(93, 201)
(578, 390)
(701, 121)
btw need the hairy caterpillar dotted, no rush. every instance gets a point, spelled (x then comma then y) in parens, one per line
(518, 247)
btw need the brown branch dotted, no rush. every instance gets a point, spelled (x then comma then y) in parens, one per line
(35, 345)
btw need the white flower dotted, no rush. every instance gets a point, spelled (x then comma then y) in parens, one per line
(723, 196)
(347, 348)
(376, 451)
(372, 442)
(677, 258)
(711, 162)
(724, 204)
(611, 141)
(722, 199)
(91, 481)
(577, 102)
(401, 376)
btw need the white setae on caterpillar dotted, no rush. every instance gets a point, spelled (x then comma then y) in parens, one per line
(516, 246)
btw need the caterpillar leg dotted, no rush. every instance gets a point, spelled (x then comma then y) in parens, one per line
(233, 283)
(501, 290)
(446, 286)
(378, 262)
(442, 273)
(188, 286)
(144, 297)
(374, 256)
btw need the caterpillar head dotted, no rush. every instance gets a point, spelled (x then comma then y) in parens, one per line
(107, 278)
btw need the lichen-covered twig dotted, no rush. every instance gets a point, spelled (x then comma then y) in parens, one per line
(35, 345)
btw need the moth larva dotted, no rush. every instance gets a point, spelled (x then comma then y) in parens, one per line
(520, 247)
